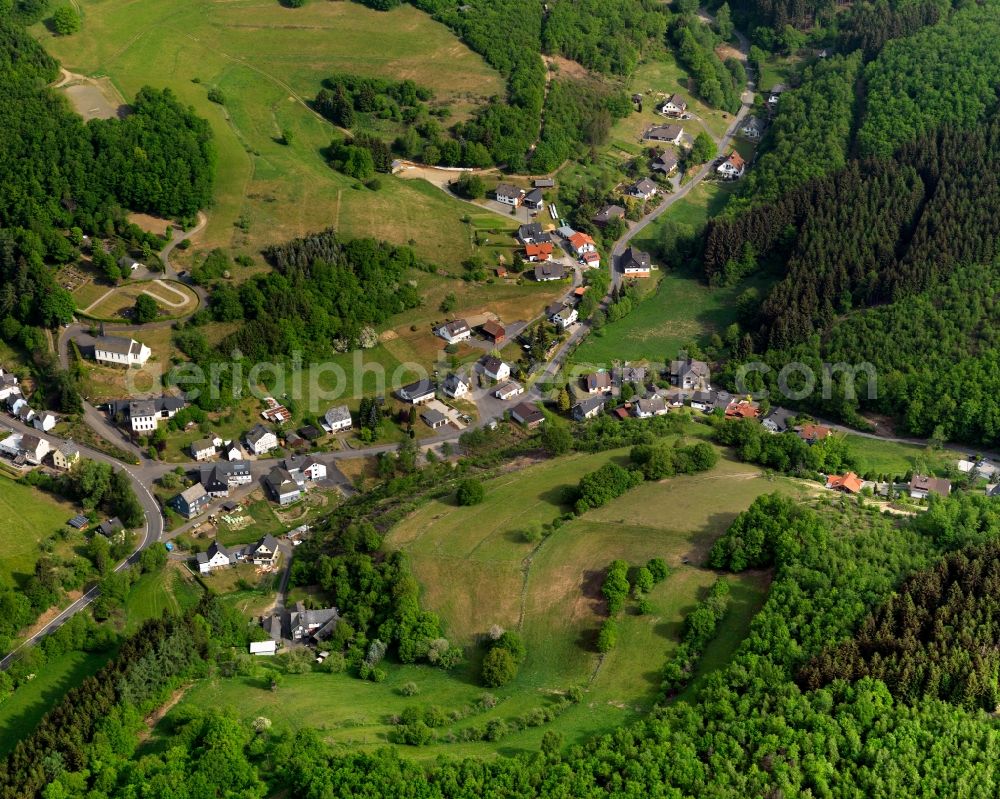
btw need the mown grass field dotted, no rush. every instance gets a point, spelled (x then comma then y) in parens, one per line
(268, 61)
(20, 713)
(27, 517)
(170, 590)
(476, 571)
(887, 457)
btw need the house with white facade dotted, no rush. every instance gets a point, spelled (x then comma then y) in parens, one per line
(203, 449)
(732, 167)
(635, 263)
(509, 194)
(119, 351)
(260, 440)
(674, 106)
(454, 386)
(337, 418)
(495, 369)
(509, 391)
(44, 421)
(216, 557)
(455, 331)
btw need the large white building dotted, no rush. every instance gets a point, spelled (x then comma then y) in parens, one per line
(120, 351)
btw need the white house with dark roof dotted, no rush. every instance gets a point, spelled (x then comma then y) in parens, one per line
(8, 385)
(588, 408)
(545, 272)
(203, 449)
(44, 421)
(120, 351)
(509, 194)
(337, 418)
(509, 391)
(220, 477)
(651, 406)
(674, 106)
(533, 199)
(674, 134)
(216, 557)
(635, 263)
(416, 393)
(495, 369)
(689, 373)
(643, 189)
(455, 331)
(261, 440)
(454, 386)
(282, 485)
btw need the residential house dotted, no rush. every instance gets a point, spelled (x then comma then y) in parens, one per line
(111, 528)
(532, 233)
(8, 385)
(15, 402)
(433, 418)
(264, 648)
(261, 440)
(753, 128)
(597, 382)
(220, 477)
(509, 391)
(527, 414)
(494, 331)
(642, 189)
(311, 432)
(591, 260)
(306, 467)
(283, 487)
(689, 373)
(630, 374)
(454, 386)
(65, 455)
(417, 393)
(502, 272)
(455, 331)
(742, 409)
(673, 134)
(549, 271)
(674, 106)
(315, 624)
(44, 421)
(508, 194)
(588, 408)
(635, 263)
(34, 448)
(534, 199)
(777, 421)
(203, 449)
(263, 553)
(651, 406)
(607, 213)
(582, 243)
(849, 483)
(25, 413)
(537, 253)
(494, 368)
(562, 316)
(120, 351)
(216, 557)
(665, 163)
(921, 486)
(143, 416)
(703, 400)
(191, 501)
(811, 433)
(732, 167)
(336, 419)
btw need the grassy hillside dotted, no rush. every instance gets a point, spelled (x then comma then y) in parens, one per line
(476, 571)
(27, 517)
(268, 61)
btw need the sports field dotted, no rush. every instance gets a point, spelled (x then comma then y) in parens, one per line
(27, 517)
(269, 61)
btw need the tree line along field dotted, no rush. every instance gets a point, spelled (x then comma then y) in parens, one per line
(266, 60)
(476, 570)
(27, 517)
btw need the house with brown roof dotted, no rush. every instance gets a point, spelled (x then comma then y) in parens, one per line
(674, 106)
(849, 483)
(607, 213)
(527, 414)
(742, 409)
(921, 486)
(811, 433)
(494, 331)
(597, 382)
(732, 167)
(673, 134)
